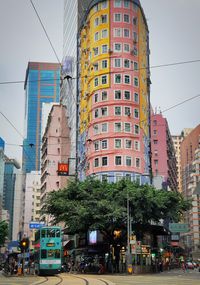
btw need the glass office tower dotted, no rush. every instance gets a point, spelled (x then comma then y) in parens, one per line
(42, 84)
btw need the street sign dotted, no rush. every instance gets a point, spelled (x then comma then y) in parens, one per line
(178, 228)
(36, 225)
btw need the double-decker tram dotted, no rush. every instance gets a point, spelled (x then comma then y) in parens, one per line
(49, 253)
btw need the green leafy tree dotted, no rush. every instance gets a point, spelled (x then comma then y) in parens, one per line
(3, 232)
(92, 204)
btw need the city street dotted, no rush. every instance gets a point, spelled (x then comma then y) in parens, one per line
(174, 277)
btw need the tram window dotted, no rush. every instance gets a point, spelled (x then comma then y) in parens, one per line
(57, 253)
(51, 233)
(50, 253)
(43, 233)
(57, 233)
(43, 253)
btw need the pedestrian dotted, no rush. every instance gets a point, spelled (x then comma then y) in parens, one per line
(183, 266)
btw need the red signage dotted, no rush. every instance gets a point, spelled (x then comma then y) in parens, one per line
(63, 169)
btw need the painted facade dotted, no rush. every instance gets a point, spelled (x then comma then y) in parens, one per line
(189, 179)
(55, 149)
(163, 153)
(42, 84)
(114, 92)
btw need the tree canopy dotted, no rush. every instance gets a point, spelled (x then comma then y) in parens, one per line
(3, 232)
(93, 204)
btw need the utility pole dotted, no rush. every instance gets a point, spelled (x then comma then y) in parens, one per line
(129, 259)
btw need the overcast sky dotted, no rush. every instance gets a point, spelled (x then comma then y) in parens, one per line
(174, 37)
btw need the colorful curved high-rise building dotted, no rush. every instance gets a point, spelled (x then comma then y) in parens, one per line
(114, 92)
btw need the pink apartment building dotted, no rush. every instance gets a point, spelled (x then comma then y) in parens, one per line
(55, 149)
(163, 152)
(114, 92)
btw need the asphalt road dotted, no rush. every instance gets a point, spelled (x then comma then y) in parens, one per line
(174, 277)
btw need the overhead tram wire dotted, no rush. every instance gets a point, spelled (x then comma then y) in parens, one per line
(45, 32)
(148, 67)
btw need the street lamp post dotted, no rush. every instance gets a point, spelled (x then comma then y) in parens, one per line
(129, 260)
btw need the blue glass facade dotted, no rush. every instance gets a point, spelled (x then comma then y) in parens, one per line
(42, 85)
(10, 172)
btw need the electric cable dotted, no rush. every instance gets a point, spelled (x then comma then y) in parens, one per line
(45, 31)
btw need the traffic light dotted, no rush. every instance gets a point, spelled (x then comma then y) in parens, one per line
(24, 244)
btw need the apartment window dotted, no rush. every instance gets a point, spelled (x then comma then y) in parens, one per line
(96, 82)
(119, 176)
(103, 19)
(127, 111)
(104, 111)
(128, 161)
(58, 150)
(104, 127)
(156, 162)
(127, 79)
(127, 127)
(117, 32)
(135, 66)
(96, 22)
(117, 47)
(126, 63)
(104, 144)
(137, 162)
(96, 97)
(126, 18)
(104, 161)
(117, 3)
(126, 48)
(104, 63)
(136, 81)
(96, 162)
(117, 62)
(104, 48)
(155, 123)
(118, 111)
(96, 113)
(96, 51)
(96, 129)
(104, 5)
(136, 97)
(136, 129)
(96, 145)
(118, 127)
(126, 33)
(118, 143)
(104, 79)
(137, 145)
(118, 160)
(135, 36)
(118, 95)
(155, 132)
(96, 8)
(104, 34)
(127, 95)
(96, 66)
(104, 96)
(135, 21)
(135, 7)
(118, 78)
(136, 113)
(117, 17)
(126, 4)
(135, 51)
(128, 143)
(155, 141)
(96, 36)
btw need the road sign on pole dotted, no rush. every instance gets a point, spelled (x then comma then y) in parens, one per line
(36, 225)
(178, 228)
